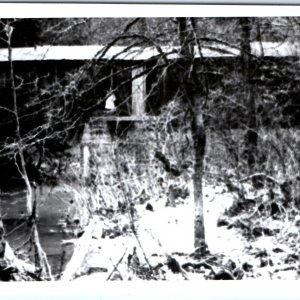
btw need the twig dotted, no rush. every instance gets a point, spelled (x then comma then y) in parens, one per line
(130, 213)
(25, 243)
(116, 266)
(141, 247)
(15, 229)
(168, 166)
(291, 268)
(252, 176)
(233, 188)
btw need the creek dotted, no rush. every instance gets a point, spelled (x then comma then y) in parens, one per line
(53, 208)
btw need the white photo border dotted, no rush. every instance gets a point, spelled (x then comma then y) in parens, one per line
(204, 290)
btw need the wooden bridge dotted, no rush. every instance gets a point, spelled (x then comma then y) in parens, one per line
(137, 57)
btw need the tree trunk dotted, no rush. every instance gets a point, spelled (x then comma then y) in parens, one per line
(22, 168)
(191, 89)
(199, 139)
(249, 97)
(41, 259)
(2, 239)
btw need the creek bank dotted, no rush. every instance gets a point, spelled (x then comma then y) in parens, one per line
(163, 245)
(63, 212)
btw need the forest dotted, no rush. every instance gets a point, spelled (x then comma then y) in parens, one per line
(149, 149)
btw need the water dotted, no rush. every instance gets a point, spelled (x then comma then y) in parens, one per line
(52, 207)
(50, 236)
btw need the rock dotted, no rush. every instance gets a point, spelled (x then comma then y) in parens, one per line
(93, 270)
(79, 234)
(224, 275)
(247, 267)
(149, 207)
(173, 265)
(277, 250)
(7, 273)
(222, 222)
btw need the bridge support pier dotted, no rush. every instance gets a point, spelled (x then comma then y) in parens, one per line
(138, 92)
(85, 152)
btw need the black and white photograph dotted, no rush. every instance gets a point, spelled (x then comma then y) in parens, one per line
(149, 148)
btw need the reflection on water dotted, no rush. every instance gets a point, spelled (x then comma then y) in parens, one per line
(51, 209)
(51, 237)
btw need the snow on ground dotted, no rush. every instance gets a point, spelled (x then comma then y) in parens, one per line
(173, 227)
(169, 230)
(219, 239)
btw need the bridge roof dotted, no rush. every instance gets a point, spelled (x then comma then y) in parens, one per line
(39, 53)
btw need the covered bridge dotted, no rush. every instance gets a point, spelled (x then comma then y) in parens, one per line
(135, 81)
(58, 60)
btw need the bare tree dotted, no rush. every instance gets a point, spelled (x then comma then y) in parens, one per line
(249, 97)
(191, 88)
(41, 261)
